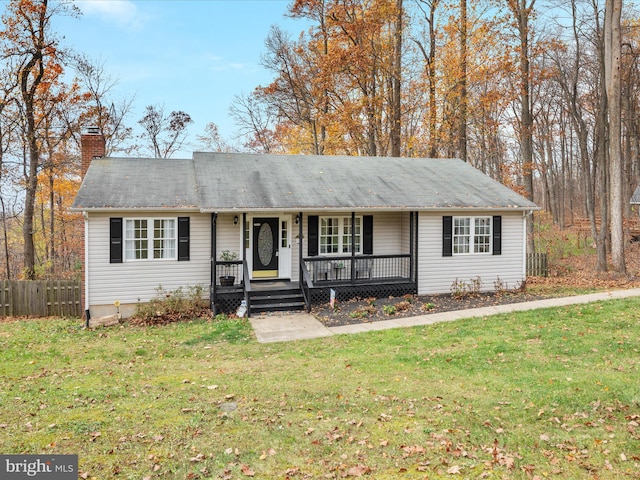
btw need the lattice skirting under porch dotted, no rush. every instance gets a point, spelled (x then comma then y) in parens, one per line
(322, 295)
(229, 302)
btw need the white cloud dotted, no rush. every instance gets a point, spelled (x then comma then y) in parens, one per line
(124, 13)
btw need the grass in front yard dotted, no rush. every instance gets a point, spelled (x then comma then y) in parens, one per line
(544, 394)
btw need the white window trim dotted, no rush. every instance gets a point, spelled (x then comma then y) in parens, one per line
(340, 234)
(472, 235)
(150, 239)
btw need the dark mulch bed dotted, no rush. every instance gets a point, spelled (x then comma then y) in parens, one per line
(372, 310)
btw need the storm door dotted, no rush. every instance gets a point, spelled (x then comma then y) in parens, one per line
(265, 247)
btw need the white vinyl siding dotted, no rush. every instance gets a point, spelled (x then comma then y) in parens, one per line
(138, 281)
(436, 273)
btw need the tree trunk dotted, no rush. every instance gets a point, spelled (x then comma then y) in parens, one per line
(396, 103)
(612, 48)
(462, 130)
(522, 12)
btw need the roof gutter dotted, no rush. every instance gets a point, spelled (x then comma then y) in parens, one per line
(134, 209)
(237, 210)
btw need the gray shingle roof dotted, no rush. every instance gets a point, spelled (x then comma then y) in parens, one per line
(224, 182)
(138, 183)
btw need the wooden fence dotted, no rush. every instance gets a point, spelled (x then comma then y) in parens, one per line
(537, 265)
(40, 298)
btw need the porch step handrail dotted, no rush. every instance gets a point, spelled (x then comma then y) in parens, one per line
(306, 284)
(246, 285)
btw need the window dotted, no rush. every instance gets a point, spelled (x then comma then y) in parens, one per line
(471, 235)
(335, 235)
(284, 236)
(150, 239)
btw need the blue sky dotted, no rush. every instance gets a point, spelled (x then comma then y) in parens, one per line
(191, 55)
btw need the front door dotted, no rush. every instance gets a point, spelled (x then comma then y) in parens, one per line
(265, 247)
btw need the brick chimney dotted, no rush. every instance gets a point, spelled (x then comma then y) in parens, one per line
(92, 144)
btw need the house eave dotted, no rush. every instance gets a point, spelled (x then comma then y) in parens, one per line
(133, 209)
(370, 209)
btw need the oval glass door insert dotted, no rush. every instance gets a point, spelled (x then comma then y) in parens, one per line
(265, 244)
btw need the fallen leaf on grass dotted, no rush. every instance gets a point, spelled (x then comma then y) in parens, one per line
(454, 470)
(412, 449)
(266, 453)
(247, 471)
(358, 471)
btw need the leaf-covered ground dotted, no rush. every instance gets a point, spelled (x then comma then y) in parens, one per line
(533, 395)
(570, 275)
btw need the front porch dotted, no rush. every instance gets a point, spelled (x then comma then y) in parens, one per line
(349, 277)
(300, 259)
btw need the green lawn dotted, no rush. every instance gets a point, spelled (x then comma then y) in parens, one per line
(546, 394)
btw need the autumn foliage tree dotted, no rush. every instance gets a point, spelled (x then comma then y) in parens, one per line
(32, 53)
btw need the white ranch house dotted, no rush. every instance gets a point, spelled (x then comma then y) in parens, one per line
(299, 225)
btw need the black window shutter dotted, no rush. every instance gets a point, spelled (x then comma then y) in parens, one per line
(312, 244)
(447, 236)
(115, 240)
(367, 234)
(497, 235)
(183, 239)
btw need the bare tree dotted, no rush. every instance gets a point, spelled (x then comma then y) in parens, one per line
(107, 115)
(213, 141)
(612, 52)
(521, 11)
(430, 67)
(165, 134)
(255, 119)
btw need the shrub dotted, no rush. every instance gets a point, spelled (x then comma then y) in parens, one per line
(172, 306)
(363, 311)
(389, 309)
(428, 306)
(462, 289)
(402, 306)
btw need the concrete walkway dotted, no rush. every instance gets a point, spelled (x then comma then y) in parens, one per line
(303, 326)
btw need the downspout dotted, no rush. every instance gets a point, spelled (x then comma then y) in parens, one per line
(525, 215)
(416, 247)
(87, 312)
(212, 294)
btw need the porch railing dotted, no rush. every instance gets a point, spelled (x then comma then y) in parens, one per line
(358, 269)
(229, 273)
(227, 281)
